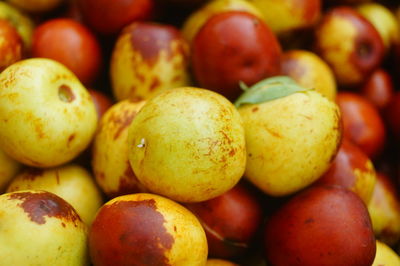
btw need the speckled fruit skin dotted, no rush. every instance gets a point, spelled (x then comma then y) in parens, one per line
(46, 116)
(187, 144)
(110, 161)
(40, 228)
(323, 225)
(351, 169)
(290, 141)
(71, 182)
(148, 58)
(146, 229)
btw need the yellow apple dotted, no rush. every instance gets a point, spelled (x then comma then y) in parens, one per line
(8, 170)
(385, 255)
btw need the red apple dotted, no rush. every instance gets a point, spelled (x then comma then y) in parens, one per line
(351, 169)
(71, 44)
(350, 44)
(362, 123)
(109, 17)
(230, 221)
(231, 47)
(323, 225)
(10, 44)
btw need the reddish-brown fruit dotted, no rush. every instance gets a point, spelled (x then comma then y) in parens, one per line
(101, 101)
(379, 88)
(10, 45)
(231, 47)
(71, 44)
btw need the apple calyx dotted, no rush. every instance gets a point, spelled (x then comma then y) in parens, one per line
(267, 90)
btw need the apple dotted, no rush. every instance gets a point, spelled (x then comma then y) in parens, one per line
(350, 44)
(147, 58)
(71, 44)
(109, 17)
(70, 182)
(286, 16)
(385, 255)
(8, 170)
(146, 229)
(187, 144)
(292, 135)
(309, 71)
(36, 6)
(230, 221)
(379, 89)
(199, 17)
(353, 170)
(40, 228)
(362, 123)
(110, 162)
(384, 209)
(233, 47)
(22, 23)
(101, 100)
(11, 46)
(322, 225)
(47, 117)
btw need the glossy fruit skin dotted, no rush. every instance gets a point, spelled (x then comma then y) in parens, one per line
(362, 123)
(351, 169)
(11, 45)
(71, 44)
(323, 225)
(230, 221)
(231, 47)
(109, 17)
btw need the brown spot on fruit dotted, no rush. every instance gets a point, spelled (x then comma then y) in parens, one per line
(37, 205)
(122, 121)
(137, 234)
(32, 173)
(154, 84)
(71, 138)
(65, 93)
(255, 109)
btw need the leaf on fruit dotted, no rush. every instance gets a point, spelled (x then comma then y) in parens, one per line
(267, 90)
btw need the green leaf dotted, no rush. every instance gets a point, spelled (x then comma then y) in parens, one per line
(267, 90)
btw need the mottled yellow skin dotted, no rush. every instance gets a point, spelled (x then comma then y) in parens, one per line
(385, 256)
(290, 141)
(132, 77)
(110, 161)
(383, 20)
(310, 71)
(365, 182)
(197, 19)
(187, 144)
(282, 16)
(190, 243)
(58, 241)
(384, 210)
(22, 23)
(38, 127)
(220, 262)
(335, 53)
(36, 5)
(8, 170)
(71, 182)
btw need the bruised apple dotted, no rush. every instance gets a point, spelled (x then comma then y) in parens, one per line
(71, 182)
(187, 144)
(234, 47)
(323, 225)
(110, 163)
(148, 57)
(40, 228)
(146, 229)
(47, 117)
(292, 135)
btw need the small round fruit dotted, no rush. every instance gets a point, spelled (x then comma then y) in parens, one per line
(110, 162)
(72, 183)
(146, 229)
(10, 44)
(9, 168)
(46, 116)
(385, 255)
(40, 228)
(101, 101)
(187, 144)
(71, 44)
(234, 47)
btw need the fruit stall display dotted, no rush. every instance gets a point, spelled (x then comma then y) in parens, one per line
(203, 132)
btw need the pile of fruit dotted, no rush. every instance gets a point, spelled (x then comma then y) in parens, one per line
(206, 132)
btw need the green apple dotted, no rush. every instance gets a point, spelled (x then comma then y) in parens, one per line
(47, 117)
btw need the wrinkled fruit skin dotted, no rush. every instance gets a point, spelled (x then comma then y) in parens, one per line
(231, 47)
(323, 225)
(146, 229)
